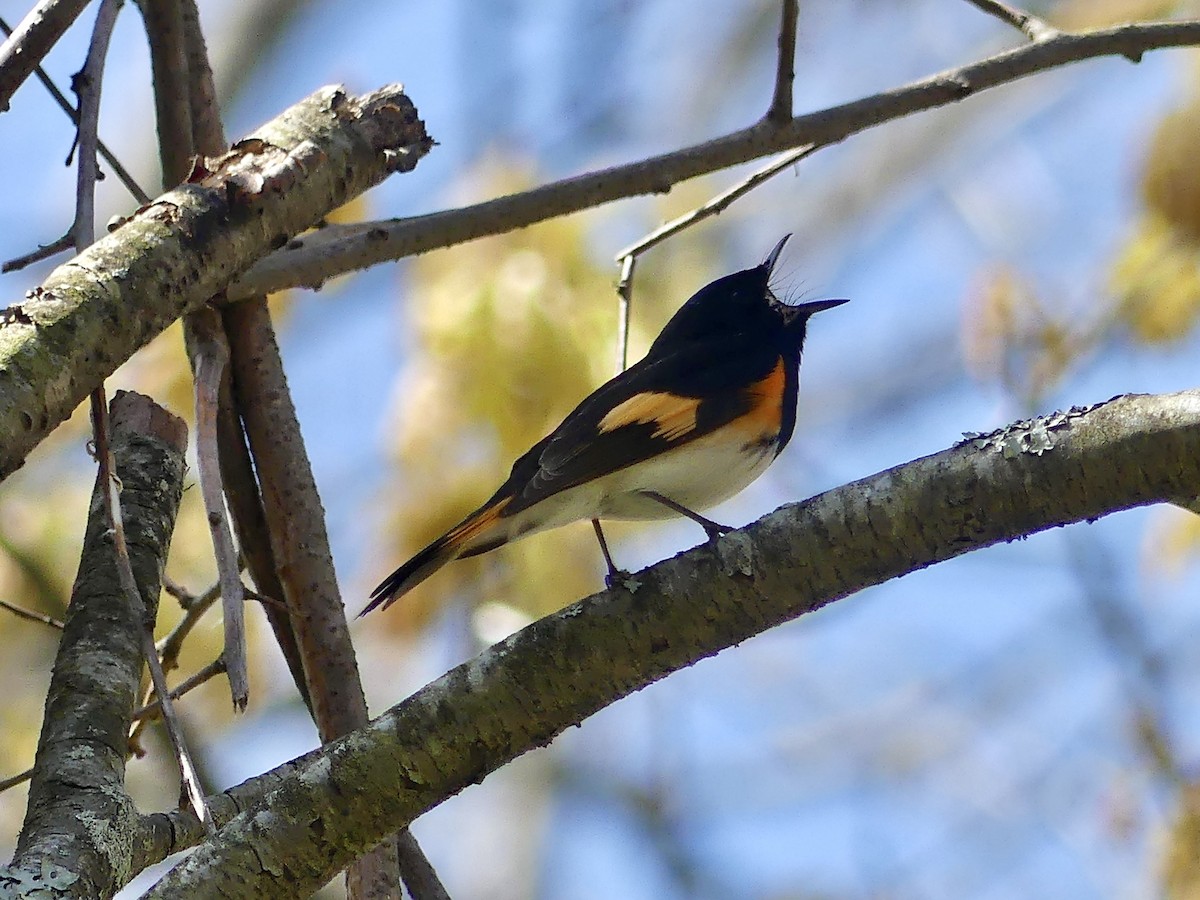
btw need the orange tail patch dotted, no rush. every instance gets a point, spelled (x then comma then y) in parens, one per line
(461, 540)
(460, 536)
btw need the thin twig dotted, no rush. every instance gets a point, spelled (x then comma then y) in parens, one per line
(624, 309)
(627, 256)
(717, 204)
(211, 355)
(337, 249)
(45, 251)
(31, 615)
(185, 597)
(168, 648)
(13, 780)
(272, 602)
(187, 769)
(34, 36)
(785, 70)
(142, 714)
(213, 669)
(1030, 25)
(208, 350)
(88, 84)
(65, 105)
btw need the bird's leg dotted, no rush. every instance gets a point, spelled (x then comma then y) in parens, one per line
(711, 528)
(614, 575)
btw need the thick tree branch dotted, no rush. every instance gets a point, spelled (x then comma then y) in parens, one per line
(300, 547)
(311, 629)
(79, 821)
(519, 694)
(336, 249)
(94, 311)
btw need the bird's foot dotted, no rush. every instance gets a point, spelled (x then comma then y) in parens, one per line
(715, 530)
(617, 577)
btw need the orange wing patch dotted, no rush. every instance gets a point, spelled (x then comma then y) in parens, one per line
(765, 415)
(675, 416)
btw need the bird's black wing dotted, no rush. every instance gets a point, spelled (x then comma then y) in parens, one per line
(654, 406)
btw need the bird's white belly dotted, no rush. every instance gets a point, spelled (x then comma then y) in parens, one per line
(698, 475)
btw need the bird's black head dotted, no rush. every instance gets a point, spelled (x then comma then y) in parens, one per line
(738, 304)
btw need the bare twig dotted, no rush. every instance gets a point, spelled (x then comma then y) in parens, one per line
(168, 648)
(266, 601)
(13, 780)
(31, 41)
(88, 84)
(210, 357)
(717, 204)
(208, 351)
(190, 123)
(31, 615)
(624, 308)
(185, 597)
(627, 256)
(65, 105)
(312, 259)
(1033, 28)
(142, 714)
(785, 71)
(112, 499)
(87, 87)
(163, 20)
(213, 669)
(45, 251)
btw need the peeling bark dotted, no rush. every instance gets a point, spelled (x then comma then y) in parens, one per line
(80, 825)
(175, 254)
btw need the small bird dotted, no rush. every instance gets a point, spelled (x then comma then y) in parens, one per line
(693, 423)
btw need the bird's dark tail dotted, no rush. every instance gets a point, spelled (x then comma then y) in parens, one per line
(412, 573)
(479, 532)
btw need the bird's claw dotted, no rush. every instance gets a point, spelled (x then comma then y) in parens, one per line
(715, 530)
(616, 577)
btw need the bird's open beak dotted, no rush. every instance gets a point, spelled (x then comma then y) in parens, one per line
(773, 256)
(798, 314)
(816, 306)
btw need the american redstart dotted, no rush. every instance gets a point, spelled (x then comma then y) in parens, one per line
(700, 417)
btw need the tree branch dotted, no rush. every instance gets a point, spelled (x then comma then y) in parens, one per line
(1030, 25)
(79, 818)
(73, 114)
(311, 629)
(210, 357)
(87, 84)
(94, 311)
(519, 694)
(336, 249)
(780, 109)
(31, 41)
